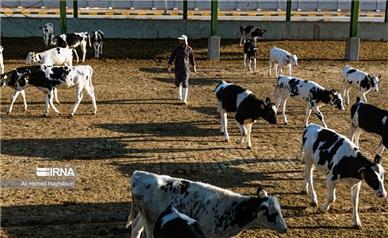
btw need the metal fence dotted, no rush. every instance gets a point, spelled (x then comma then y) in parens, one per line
(224, 5)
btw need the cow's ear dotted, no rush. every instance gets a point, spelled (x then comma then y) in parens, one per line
(267, 100)
(379, 76)
(261, 193)
(358, 99)
(289, 56)
(378, 159)
(362, 172)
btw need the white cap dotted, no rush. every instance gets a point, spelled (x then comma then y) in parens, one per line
(183, 37)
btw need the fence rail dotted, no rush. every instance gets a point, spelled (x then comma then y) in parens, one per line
(224, 5)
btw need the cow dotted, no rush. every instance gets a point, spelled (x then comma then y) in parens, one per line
(246, 106)
(57, 56)
(48, 33)
(250, 54)
(359, 79)
(96, 38)
(46, 78)
(9, 79)
(72, 41)
(1, 60)
(219, 212)
(341, 161)
(369, 118)
(281, 58)
(173, 224)
(250, 32)
(315, 95)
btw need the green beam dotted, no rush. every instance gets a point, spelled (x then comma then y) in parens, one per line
(288, 10)
(386, 11)
(214, 16)
(75, 9)
(185, 9)
(62, 20)
(354, 18)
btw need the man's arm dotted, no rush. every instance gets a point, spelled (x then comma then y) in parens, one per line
(192, 60)
(171, 60)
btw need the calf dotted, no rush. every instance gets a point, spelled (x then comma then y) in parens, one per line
(340, 159)
(315, 95)
(173, 224)
(46, 78)
(250, 32)
(10, 78)
(250, 54)
(96, 38)
(235, 99)
(369, 118)
(219, 212)
(360, 80)
(72, 41)
(281, 58)
(1, 60)
(56, 56)
(48, 33)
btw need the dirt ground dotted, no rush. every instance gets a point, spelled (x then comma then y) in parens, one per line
(140, 125)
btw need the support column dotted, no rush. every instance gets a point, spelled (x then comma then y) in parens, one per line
(353, 42)
(214, 41)
(75, 9)
(386, 11)
(62, 13)
(288, 10)
(185, 6)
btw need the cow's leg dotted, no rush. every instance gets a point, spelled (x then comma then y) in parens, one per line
(280, 69)
(137, 227)
(90, 90)
(250, 64)
(245, 60)
(79, 96)
(346, 93)
(254, 64)
(352, 132)
(47, 104)
(249, 130)
(381, 148)
(56, 96)
(355, 196)
(357, 137)
(319, 115)
(14, 96)
(363, 95)
(306, 119)
(308, 173)
(270, 68)
(330, 195)
(242, 39)
(24, 99)
(243, 132)
(289, 70)
(224, 119)
(277, 70)
(96, 53)
(76, 55)
(284, 111)
(51, 101)
(101, 44)
(83, 49)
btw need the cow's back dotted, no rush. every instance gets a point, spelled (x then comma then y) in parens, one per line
(228, 97)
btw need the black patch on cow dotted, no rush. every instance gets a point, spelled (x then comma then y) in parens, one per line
(184, 186)
(148, 186)
(250, 49)
(350, 71)
(327, 143)
(320, 95)
(228, 97)
(349, 166)
(366, 83)
(248, 29)
(59, 50)
(254, 108)
(293, 86)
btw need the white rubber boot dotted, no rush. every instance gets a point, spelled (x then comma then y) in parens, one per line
(185, 95)
(180, 92)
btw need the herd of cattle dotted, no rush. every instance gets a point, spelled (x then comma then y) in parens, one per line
(163, 206)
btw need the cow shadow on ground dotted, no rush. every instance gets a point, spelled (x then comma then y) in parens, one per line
(193, 81)
(70, 219)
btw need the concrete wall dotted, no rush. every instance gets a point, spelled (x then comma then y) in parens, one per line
(147, 29)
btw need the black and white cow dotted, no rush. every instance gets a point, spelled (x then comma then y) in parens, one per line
(1, 60)
(250, 54)
(96, 38)
(219, 212)
(72, 41)
(48, 33)
(250, 32)
(369, 118)
(359, 79)
(235, 99)
(341, 161)
(173, 224)
(315, 95)
(46, 78)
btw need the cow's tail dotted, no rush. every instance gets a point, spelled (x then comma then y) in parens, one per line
(89, 41)
(241, 30)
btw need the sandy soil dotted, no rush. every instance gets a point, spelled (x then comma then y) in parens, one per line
(141, 126)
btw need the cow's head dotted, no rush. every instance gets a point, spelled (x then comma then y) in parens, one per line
(257, 33)
(268, 111)
(293, 60)
(22, 80)
(268, 213)
(374, 177)
(336, 100)
(8, 78)
(374, 82)
(3, 80)
(32, 58)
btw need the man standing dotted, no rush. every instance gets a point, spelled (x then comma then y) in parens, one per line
(183, 57)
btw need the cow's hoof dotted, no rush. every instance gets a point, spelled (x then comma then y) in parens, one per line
(71, 115)
(226, 140)
(8, 113)
(304, 192)
(314, 204)
(285, 123)
(249, 147)
(357, 226)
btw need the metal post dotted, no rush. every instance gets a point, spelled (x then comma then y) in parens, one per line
(185, 6)
(386, 11)
(165, 7)
(288, 10)
(214, 16)
(354, 18)
(75, 9)
(62, 20)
